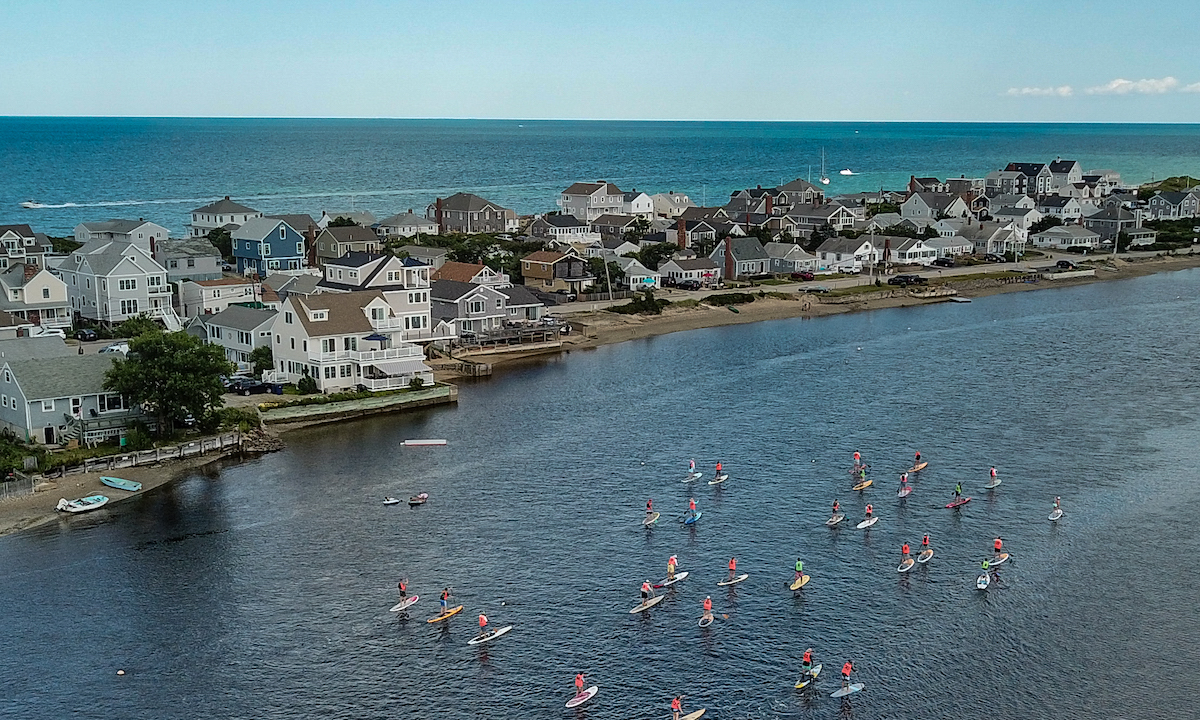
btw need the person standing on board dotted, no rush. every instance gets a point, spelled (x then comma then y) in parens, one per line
(708, 608)
(836, 506)
(692, 507)
(799, 569)
(846, 670)
(403, 585)
(904, 552)
(578, 684)
(647, 592)
(925, 542)
(903, 480)
(718, 469)
(957, 491)
(692, 466)
(444, 599)
(869, 509)
(993, 473)
(732, 567)
(862, 474)
(807, 663)
(676, 707)
(483, 621)
(671, 568)
(997, 547)
(917, 461)
(1057, 503)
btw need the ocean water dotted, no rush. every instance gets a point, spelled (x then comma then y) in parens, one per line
(261, 590)
(160, 169)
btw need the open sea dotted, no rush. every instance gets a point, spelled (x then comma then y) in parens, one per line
(261, 590)
(98, 168)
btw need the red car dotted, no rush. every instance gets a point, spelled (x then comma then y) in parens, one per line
(805, 275)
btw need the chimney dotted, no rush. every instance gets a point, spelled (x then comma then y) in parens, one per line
(770, 204)
(681, 233)
(30, 271)
(440, 221)
(730, 267)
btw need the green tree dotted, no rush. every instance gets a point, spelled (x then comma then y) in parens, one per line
(135, 326)
(656, 254)
(262, 359)
(637, 233)
(222, 241)
(340, 221)
(1045, 224)
(307, 385)
(173, 375)
(615, 274)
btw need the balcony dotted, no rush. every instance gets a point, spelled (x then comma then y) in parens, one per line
(438, 333)
(159, 289)
(392, 323)
(366, 356)
(387, 383)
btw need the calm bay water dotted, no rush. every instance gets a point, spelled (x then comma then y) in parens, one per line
(96, 168)
(261, 590)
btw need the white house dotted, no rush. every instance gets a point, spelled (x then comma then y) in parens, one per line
(111, 281)
(198, 298)
(1066, 209)
(789, 258)
(638, 276)
(950, 246)
(906, 250)
(139, 232)
(563, 228)
(670, 205)
(840, 254)
(637, 204)
(343, 341)
(32, 293)
(1063, 236)
(702, 270)
(224, 213)
(588, 201)
(932, 206)
(611, 246)
(1021, 218)
(404, 282)
(406, 225)
(240, 330)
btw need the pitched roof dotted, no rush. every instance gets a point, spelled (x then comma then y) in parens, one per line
(423, 251)
(239, 317)
(843, 245)
(352, 233)
(695, 264)
(1062, 166)
(585, 188)
(461, 272)
(452, 290)
(120, 227)
(783, 250)
(1029, 169)
(65, 376)
(104, 257)
(1054, 201)
(621, 220)
(407, 219)
(564, 221)
(187, 247)
(1174, 197)
(257, 228)
(799, 185)
(466, 202)
(20, 229)
(345, 312)
(225, 206)
(544, 256)
(1068, 231)
(937, 201)
(297, 221)
(519, 295)
(28, 348)
(746, 248)
(354, 259)
(1112, 213)
(1013, 211)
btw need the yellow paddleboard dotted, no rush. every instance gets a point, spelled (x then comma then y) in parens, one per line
(918, 467)
(863, 485)
(799, 583)
(693, 715)
(448, 614)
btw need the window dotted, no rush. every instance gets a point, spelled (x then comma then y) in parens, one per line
(7, 376)
(476, 306)
(266, 250)
(346, 371)
(293, 343)
(173, 264)
(328, 345)
(127, 284)
(287, 318)
(330, 372)
(499, 304)
(299, 248)
(377, 313)
(393, 276)
(4, 400)
(154, 281)
(244, 338)
(129, 307)
(216, 332)
(191, 262)
(350, 343)
(282, 232)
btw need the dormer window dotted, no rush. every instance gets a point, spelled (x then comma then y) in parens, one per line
(316, 315)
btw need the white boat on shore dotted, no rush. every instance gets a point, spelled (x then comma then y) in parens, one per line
(423, 442)
(85, 504)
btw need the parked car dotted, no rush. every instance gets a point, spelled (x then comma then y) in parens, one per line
(566, 296)
(247, 386)
(228, 380)
(816, 289)
(803, 275)
(226, 267)
(1066, 265)
(689, 284)
(121, 347)
(903, 280)
(86, 334)
(944, 262)
(993, 257)
(39, 331)
(668, 282)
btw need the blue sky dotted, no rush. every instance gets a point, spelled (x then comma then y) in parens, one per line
(867, 60)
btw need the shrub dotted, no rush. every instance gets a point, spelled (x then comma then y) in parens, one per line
(307, 385)
(416, 383)
(729, 299)
(643, 304)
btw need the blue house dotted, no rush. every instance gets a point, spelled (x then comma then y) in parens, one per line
(267, 244)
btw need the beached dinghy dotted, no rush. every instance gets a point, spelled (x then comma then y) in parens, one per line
(91, 502)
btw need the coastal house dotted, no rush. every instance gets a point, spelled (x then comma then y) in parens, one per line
(696, 232)
(1064, 236)
(840, 254)
(670, 205)
(1104, 181)
(522, 304)
(963, 185)
(927, 185)
(611, 246)
(405, 225)
(51, 395)
(334, 242)
(562, 228)
(808, 217)
(140, 232)
(266, 245)
(747, 255)
(20, 244)
(789, 258)
(1012, 200)
(475, 273)
(615, 225)
(33, 294)
(239, 331)
(198, 298)
(928, 206)
(638, 276)
(1112, 221)
(950, 246)
(1063, 173)
(552, 271)
(344, 341)
(703, 270)
(1066, 209)
(993, 237)
(638, 204)
(224, 213)
(361, 218)
(905, 250)
(1174, 205)
(1038, 179)
(473, 309)
(879, 222)
(434, 257)
(799, 192)
(188, 259)
(587, 201)
(1005, 182)
(405, 284)
(1022, 218)
(111, 281)
(467, 213)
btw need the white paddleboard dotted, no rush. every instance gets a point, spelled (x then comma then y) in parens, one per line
(647, 605)
(668, 583)
(843, 692)
(693, 715)
(1000, 560)
(734, 581)
(392, 501)
(808, 677)
(981, 582)
(868, 522)
(479, 639)
(992, 484)
(925, 556)
(835, 519)
(583, 697)
(1056, 513)
(719, 479)
(905, 491)
(692, 477)
(906, 565)
(407, 602)
(650, 520)
(705, 621)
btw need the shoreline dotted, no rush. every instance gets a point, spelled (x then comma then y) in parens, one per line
(605, 328)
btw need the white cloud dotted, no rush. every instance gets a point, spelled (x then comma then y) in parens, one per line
(1060, 91)
(1148, 86)
(1194, 87)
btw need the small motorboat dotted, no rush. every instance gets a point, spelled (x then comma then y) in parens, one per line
(418, 499)
(91, 502)
(847, 171)
(31, 204)
(121, 483)
(389, 500)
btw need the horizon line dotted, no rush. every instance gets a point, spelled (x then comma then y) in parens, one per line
(571, 119)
